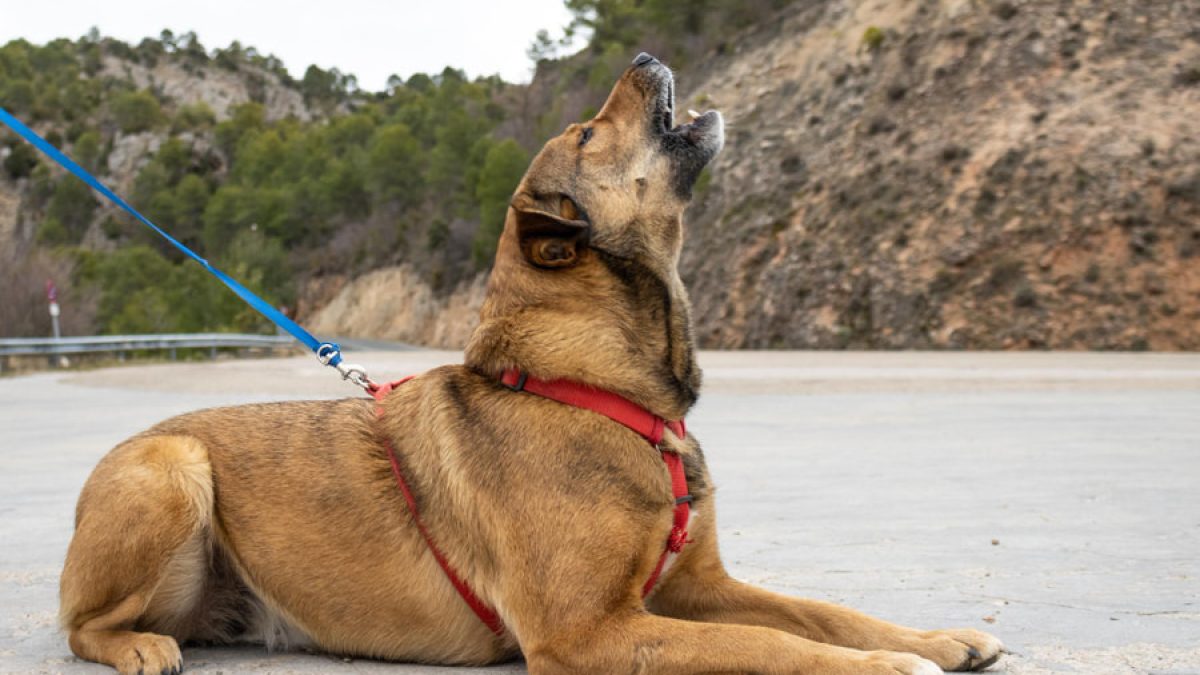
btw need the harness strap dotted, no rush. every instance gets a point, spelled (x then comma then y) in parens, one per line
(613, 406)
(637, 418)
(486, 614)
(682, 516)
(616, 408)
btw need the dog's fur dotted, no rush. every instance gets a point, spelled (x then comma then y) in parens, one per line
(281, 523)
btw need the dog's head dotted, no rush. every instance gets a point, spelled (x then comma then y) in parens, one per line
(587, 263)
(618, 182)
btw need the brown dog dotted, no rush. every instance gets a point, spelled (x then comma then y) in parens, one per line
(282, 523)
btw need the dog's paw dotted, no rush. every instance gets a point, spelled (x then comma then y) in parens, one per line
(150, 654)
(898, 663)
(960, 649)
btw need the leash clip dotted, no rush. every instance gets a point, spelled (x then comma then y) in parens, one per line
(356, 374)
(330, 354)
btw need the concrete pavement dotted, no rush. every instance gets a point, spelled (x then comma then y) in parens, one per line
(1052, 499)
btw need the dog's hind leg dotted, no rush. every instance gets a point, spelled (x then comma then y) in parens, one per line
(139, 556)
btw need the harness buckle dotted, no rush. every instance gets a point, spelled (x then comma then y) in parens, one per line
(520, 385)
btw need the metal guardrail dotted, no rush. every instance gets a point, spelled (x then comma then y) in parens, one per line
(129, 343)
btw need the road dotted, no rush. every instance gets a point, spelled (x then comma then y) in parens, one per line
(1052, 499)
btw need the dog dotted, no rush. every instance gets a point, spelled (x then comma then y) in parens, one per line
(564, 528)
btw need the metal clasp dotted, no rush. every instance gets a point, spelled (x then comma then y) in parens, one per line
(328, 353)
(354, 373)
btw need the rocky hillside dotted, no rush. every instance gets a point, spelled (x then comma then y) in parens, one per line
(932, 174)
(954, 174)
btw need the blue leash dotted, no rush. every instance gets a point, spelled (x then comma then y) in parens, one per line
(327, 352)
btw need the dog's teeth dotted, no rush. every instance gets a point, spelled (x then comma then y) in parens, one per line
(693, 113)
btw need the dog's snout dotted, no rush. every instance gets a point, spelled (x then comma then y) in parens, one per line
(644, 58)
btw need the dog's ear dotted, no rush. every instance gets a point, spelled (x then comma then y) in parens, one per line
(551, 240)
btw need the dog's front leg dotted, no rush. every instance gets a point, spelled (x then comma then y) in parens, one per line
(701, 590)
(644, 644)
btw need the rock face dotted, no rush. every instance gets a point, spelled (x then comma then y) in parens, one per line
(219, 89)
(395, 303)
(953, 174)
(10, 205)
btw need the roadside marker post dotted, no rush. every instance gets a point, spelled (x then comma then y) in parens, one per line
(52, 297)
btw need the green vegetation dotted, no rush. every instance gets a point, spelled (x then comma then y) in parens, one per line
(673, 31)
(502, 168)
(272, 201)
(677, 33)
(136, 111)
(21, 160)
(68, 213)
(703, 182)
(872, 38)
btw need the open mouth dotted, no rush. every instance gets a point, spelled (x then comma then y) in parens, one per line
(704, 132)
(667, 105)
(690, 145)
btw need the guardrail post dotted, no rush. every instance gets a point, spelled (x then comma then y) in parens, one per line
(212, 353)
(172, 357)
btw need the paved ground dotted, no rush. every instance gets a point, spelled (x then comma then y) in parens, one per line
(1053, 499)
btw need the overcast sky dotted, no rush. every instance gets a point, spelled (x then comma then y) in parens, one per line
(368, 38)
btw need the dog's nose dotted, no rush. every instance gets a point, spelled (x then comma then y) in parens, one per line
(642, 59)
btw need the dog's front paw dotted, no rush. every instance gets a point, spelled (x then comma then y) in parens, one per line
(149, 654)
(960, 649)
(899, 663)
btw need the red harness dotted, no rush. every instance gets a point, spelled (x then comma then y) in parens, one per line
(615, 407)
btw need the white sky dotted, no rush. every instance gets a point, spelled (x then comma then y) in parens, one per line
(368, 38)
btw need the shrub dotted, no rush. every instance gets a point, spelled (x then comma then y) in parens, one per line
(87, 150)
(1004, 9)
(192, 117)
(18, 95)
(703, 182)
(119, 276)
(502, 171)
(52, 233)
(1025, 297)
(191, 198)
(394, 165)
(71, 207)
(21, 161)
(1188, 76)
(873, 38)
(136, 111)
(245, 118)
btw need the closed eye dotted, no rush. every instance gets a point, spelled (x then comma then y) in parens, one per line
(585, 136)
